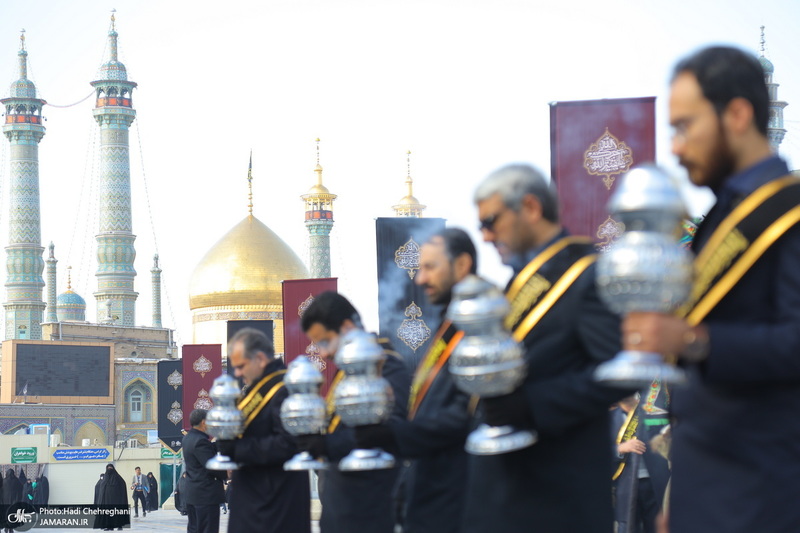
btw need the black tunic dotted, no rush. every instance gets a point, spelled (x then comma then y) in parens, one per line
(363, 501)
(266, 499)
(434, 439)
(561, 484)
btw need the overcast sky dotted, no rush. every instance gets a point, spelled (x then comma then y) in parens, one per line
(463, 84)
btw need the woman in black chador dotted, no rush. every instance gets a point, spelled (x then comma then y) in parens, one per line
(12, 488)
(112, 493)
(152, 496)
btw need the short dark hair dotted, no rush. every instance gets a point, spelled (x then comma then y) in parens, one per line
(197, 416)
(725, 73)
(253, 341)
(137, 468)
(330, 309)
(457, 242)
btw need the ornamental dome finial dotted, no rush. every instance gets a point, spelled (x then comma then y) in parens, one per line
(409, 206)
(250, 184)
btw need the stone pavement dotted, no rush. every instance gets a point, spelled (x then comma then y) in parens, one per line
(161, 520)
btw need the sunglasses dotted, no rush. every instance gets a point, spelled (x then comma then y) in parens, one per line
(489, 222)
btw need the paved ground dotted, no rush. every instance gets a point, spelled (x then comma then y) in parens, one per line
(161, 520)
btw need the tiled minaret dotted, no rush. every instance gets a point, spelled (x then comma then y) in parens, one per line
(775, 129)
(155, 278)
(319, 223)
(409, 206)
(52, 313)
(114, 114)
(23, 128)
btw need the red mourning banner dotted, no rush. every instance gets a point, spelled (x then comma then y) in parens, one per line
(297, 295)
(592, 143)
(202, 364)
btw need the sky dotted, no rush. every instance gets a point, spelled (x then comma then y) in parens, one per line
(463, 84)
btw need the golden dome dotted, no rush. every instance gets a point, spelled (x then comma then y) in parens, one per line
(245, 267)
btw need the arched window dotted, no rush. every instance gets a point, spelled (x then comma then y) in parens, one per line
(136, 406)
(138, 402)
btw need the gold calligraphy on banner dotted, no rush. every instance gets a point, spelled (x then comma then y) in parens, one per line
(607, 157)
(413, 331)
(609, 231)
(407, 257)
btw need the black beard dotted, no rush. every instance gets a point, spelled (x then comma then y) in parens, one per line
(722, 162)
(443, 298)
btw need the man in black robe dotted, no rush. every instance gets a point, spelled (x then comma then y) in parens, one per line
(562, 483)
(113, 509)
(204, 489)
(642, 474)
(361, 501)
(266, 499)
(438, 421)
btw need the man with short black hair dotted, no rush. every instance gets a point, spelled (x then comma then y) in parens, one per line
(203, 491)
(351, 501)
(439, 416)
(735, 437)
(266, 499)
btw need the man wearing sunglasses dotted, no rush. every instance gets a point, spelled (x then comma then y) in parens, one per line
(562, 483)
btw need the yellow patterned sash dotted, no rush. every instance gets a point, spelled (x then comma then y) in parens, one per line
(439, 353)
(260, 395)
(330, 404)
(626, 433)
(739, 241)
(531, 294)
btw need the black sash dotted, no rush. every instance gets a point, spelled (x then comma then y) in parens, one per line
(739, 241)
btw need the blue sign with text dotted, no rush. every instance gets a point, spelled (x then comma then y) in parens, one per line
(80, 454)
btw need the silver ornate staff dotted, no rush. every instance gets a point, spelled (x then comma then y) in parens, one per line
(224, 421)
(363, 397)
(487, 362)
(303, 411)
(646, 270)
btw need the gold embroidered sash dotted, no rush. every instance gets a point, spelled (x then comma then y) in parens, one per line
(626, 433)
(533, 294)
(739, 241)
(260, 395)
(445, 341)
(330, 404)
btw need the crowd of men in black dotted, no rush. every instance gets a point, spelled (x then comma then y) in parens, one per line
(735, 446)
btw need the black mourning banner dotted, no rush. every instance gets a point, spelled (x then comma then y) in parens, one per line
(406, 317)
(171, 411)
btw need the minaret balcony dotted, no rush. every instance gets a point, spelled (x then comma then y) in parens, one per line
(114, 101)
(23, 119)
(319, 215)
